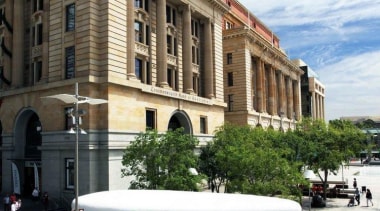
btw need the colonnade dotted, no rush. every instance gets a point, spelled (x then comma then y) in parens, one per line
(275, 93)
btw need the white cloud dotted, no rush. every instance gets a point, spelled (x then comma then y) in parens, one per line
(352, 86)
(336, 38)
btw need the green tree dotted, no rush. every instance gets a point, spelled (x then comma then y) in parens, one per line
(253, 161)
(162, 161)
(329, 145)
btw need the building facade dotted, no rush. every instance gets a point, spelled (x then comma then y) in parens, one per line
(158, 63)
(262, 86)
(312, 93)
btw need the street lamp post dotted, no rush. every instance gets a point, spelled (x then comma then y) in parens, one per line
(76, 99)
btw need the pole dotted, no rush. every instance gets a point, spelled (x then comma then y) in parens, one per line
(309, 199)
(76, 148)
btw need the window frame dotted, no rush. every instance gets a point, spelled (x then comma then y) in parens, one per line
(229, 58)
(70, 17)
(69, 173)
(230, 78)
(150, 124)
(70, 62)
(203, 125)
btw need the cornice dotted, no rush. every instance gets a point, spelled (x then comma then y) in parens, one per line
(219, 4)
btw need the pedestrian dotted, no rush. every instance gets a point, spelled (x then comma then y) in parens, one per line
(357, 196)
(15, 205)
(45, 201)
(7, 202)
(13, 198)
(368, 195)
(355, 184)
(35, 194)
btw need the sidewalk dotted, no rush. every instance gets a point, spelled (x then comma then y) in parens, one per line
(368, 176)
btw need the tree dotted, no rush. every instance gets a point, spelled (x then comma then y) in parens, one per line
(162, 161)
(328, 145)
(250, 162)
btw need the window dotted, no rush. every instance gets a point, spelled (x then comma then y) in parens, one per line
(142, 71)
(195, 28)
(230, 102)
(172, 78)
(170, 15)
(169, 44)
(37, 5)
(139, 34)
(143, 4)
(37, 71)
(150, 119)
(69, 173)
(203, 125)
(70, 17)
(229, 58)
(70, 62)
(228, 25)
(230, 78)
(37, 34)
(196, 82)
(138, 68)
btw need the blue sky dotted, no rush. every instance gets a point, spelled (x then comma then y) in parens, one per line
(339, 40)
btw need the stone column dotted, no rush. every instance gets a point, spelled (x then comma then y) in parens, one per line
(259, 82)
(8, 37)
(45, 41)
(18, 44)
(162, 66)
(130, 40)
(296, 103)
(208, 57)
(313, 105)
(186, 51)
(282, 90)
(323, 107)
(290, 97)
(271, 88)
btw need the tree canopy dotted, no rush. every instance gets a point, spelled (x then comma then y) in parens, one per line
(162, 161)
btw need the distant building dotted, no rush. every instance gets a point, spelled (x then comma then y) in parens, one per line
(361, 119)
(261, 84)
(312, 93)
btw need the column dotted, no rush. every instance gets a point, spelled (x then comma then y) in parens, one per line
(8, 36)
(296, 102)
(45, 42)
(259, 82)
(289, 97)
(271, 88)
(275, 93)
(313, 105)
(186, 51)
(18, 44)
(162, 66)
(209, 70)
(283, 94)
(130, 40)
(323, 107)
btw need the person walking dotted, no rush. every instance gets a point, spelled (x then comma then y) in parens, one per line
(355, 184)
(357, 196)
(368, 195)
(7, 202)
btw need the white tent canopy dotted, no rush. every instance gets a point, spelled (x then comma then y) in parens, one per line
(163, 200)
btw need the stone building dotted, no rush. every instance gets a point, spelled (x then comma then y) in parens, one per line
(312, 93)
(262, 86)
(158, 63)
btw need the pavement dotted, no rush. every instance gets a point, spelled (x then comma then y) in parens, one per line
(365, 175)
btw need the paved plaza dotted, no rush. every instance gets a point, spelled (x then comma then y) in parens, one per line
(368, 176)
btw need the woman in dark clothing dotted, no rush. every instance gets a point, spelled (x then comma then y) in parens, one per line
(368, 195)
